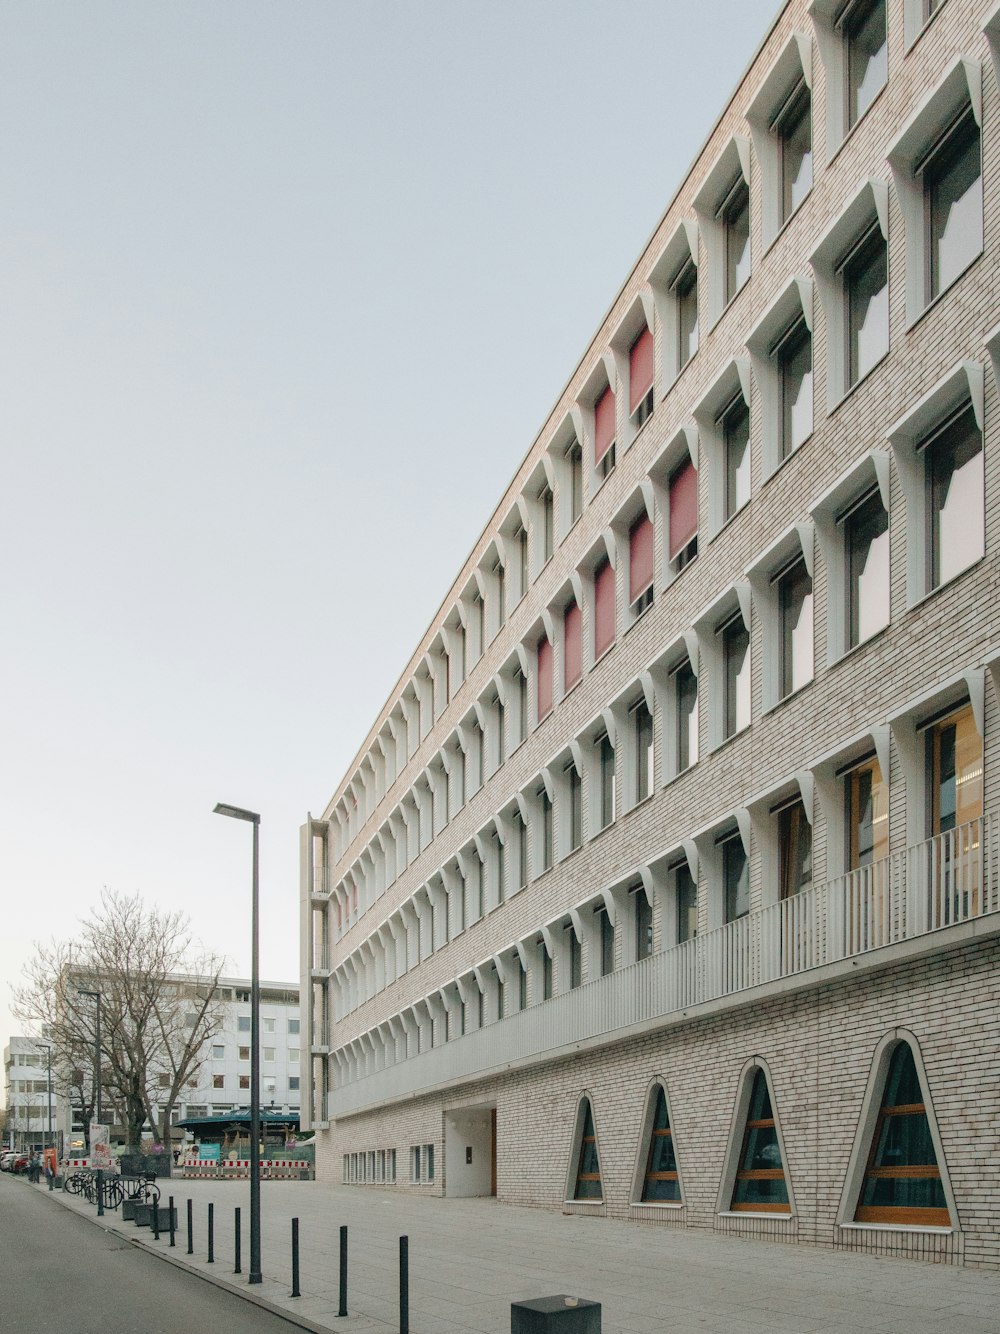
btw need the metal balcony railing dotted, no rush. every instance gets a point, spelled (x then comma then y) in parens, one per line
(947, 880)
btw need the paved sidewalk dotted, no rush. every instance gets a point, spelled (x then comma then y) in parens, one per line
(469, 1259)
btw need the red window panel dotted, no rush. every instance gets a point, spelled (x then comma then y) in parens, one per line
(604, 608)
(683, 507)
(572, 645)
(544, 677)
(640, 565)
(640, 359)
(604, 424)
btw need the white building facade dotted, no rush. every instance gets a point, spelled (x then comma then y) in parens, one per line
(666, 885)
(29, 1093)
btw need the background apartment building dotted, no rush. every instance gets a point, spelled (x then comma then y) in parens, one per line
(25, 1064)
(665, 886)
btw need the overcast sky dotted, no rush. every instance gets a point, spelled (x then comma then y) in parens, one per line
(286, 291)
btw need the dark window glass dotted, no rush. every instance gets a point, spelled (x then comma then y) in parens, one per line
(736, 656)
(866, 540)
(867, 56)
(735, 423)
(866, 287)
(735, 217)
(795, 841)
(793, 126)
(588, 1174)
(760, 1177)
(794, 355)
(686, 697)
(643, 924)
(736, 879)
(687, 903)
(955, 498)
(953, 198)
(607, 942)
(661, 1181)
(795, 603)
(686, 294)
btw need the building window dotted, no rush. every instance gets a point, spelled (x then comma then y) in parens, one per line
(163, 1080)
(521, 844)
(736, 675)
(865, 271)
(604, 433)
(902, 1182)
(588, 1169)
(685, 693)
(477, 622)
(643, 923)
(863, 24)
(793, 357)
(606, 933)
(575, 954)
(683, 516)
(574, 459)
(640, 359)
(544, 663)
(605, 780)
(794, 848)
(760, 1177)
(795, 612)
(244, 1053)
(243, 1023)
(685, 293)
(734, 215)
(604, 608)
(521, 557)
(661, 1182)
(793, 127)
(867, 805)
(735, 878)
(218, 1051)
(293, 1083)
(546, 971)
(734, 429)
(953, 202)
(545, 829)
(522, 984)
(547, 523)
(244, 1081)
(293, 1026)
(572, 645)
(642, 739)
(955, 770)
(500, 719)
(269, 1053)
(640, 544)
(955, 490)
(500, 575)
(866, 557)
(574, 787)
(686, 897)
(218, 1081)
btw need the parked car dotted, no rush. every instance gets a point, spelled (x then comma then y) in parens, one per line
(6, 1159)
(15, 1162)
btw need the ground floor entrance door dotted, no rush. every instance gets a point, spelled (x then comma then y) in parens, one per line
(470, 1152)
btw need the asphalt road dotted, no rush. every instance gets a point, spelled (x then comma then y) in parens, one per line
(63, 1275)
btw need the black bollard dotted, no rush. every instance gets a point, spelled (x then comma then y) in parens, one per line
(190, 1227)
(237, 1246)
(211, 1234)
(343, 1272)
(404, 1285)
(295, 1259)
(156, 1220)
(170, 1206)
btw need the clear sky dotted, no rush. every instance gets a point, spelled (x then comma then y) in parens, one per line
(286, 292)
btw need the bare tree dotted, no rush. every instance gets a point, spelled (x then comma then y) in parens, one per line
(159, 1009)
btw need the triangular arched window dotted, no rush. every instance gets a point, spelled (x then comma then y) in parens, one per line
(588, 1171)
(661, 1182)
(760, 1185)
(902, 1182)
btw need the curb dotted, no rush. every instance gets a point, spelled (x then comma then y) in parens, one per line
(140, 1244)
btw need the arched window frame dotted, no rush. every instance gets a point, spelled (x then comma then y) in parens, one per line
(585, 1103)
(734, 1151)
(645, 1148)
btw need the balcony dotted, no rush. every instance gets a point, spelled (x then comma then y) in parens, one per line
(933, 893)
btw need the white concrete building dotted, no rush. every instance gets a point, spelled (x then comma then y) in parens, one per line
(27, 1077)
(666, 884)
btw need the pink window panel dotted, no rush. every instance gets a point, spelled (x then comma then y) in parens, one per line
(683, 507)
(604, 424)
(604, 608)
(640, 362)
(544, 677)
(640, 564)
(572, 645)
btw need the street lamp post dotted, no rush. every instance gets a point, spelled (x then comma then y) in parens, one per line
(97, 1091)
(48, 1059)
(238, 813)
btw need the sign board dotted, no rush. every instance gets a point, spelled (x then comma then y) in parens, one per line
(210, 1153)
(100, 1148)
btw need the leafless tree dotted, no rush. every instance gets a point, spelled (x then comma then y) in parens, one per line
(159, 1010)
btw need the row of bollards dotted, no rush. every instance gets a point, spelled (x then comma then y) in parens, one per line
(404, 1254)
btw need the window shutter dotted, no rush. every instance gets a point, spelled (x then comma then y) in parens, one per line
(544, 677)
(640, 360)
(572, 645)
(604, 608)
(640, 546)
(683, 507)
(604, 424)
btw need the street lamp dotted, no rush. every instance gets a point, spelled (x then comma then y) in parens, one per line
(238, 813)
(96, 995)
(48, 1057)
